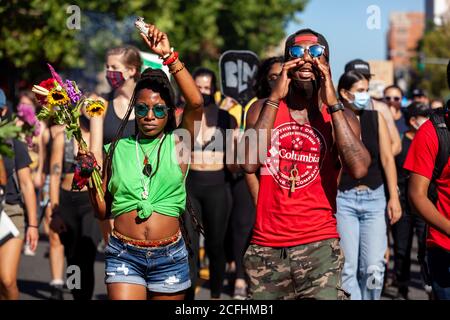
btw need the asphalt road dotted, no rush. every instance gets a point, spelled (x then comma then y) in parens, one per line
(34, 277)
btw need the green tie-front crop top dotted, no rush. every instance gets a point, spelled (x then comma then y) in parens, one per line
(167, 192)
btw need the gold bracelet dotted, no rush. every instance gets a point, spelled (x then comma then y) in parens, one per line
(173, 64)
(177, 70)
(272, 104)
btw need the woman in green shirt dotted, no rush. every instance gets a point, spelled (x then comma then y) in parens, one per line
(144, 181)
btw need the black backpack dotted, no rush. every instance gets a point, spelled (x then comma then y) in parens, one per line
(438, 119)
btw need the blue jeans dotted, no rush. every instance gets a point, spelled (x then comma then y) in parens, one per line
(361, 223)
(160, 269)
(439, 266)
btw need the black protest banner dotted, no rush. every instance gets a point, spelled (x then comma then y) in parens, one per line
(237, 71)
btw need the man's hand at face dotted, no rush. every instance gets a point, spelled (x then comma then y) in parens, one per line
(328, 93)
(281, 88)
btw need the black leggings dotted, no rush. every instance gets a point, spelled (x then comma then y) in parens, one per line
(403, 232)
(211, 199)
(81, 238)
(242, 219)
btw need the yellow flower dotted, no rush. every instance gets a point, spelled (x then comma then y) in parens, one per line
(94, 107)
(57, 98)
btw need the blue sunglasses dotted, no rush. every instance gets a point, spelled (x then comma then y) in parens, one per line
(159, 110)
(315, 51)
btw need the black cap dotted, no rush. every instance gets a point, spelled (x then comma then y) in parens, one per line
(417, 109)
(418, 93)
(290, 41)
(360, 66)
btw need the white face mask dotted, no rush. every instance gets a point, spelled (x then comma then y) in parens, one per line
(419, 122)
(361, 100)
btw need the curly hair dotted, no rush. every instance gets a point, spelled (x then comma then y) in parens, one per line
(261, 86)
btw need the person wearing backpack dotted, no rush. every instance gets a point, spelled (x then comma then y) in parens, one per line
(428, 160)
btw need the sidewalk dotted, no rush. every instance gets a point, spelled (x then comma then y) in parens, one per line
(34, 276)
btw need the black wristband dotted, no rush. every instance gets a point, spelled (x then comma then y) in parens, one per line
(335, 108)
(30, 226)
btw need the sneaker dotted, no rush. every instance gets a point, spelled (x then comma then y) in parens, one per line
(429, 291)
(101, 246)
(27, 251)
(240, 293)
(56, 292)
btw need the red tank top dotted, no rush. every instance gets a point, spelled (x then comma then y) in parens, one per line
(304, 154)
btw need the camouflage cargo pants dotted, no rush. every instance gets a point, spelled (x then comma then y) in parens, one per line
(311, 271)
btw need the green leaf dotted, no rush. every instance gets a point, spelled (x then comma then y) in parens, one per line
(6, 150)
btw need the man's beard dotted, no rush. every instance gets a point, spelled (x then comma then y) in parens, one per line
(306, 89)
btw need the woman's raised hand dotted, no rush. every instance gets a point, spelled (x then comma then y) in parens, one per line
(156, 40)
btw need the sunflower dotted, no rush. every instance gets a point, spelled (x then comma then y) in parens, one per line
(57, 98)
(94, 107)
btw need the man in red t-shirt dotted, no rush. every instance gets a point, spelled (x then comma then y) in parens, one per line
(420, 161)
(294, 251)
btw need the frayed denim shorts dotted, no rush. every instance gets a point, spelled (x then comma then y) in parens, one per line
(160, 269)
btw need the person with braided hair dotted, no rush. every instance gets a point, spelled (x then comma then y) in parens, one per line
(144, 184)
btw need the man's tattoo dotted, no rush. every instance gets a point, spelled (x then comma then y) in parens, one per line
(56, 169)
(351, 149)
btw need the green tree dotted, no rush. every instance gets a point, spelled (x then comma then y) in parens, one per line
(34, 32)
(433, 77)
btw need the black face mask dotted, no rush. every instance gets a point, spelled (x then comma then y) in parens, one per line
(208, 99)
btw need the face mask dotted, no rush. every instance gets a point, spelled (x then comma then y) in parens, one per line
(115, 79)
(362, 100)
(419, 122)
(207, 99)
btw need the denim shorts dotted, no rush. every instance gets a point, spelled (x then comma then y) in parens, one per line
(161, 269)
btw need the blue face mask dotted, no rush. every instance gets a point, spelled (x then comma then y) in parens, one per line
(362, 100)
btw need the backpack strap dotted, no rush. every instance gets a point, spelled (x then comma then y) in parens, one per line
(437, 118)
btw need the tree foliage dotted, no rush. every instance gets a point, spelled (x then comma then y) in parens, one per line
(433, 77)
(35, 31)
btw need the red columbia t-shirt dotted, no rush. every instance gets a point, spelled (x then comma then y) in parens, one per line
(420, 160)
(304, 154)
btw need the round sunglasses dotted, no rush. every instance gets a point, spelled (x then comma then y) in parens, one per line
(396, 99)
(315, 51)
(159, 110)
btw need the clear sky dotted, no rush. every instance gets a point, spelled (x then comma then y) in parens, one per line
(344, 24)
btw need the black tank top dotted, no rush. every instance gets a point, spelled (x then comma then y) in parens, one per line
(112, 123)
(369, 134)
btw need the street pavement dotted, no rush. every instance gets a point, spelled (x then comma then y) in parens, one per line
(34, 278)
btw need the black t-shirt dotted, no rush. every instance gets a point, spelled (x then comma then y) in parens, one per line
(21, 160)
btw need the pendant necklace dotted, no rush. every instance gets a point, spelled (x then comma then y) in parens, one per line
(147, 167)
(293, 173)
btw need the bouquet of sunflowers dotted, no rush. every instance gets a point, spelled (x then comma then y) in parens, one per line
(62, 101)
